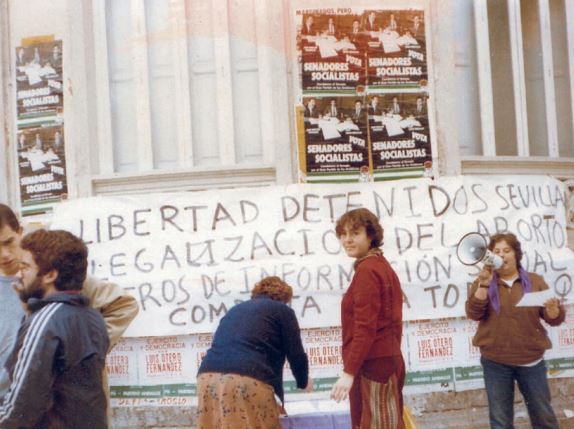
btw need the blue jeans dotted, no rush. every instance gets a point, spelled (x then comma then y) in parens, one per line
(532, 382)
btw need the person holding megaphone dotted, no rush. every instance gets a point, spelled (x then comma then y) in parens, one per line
(511, 338)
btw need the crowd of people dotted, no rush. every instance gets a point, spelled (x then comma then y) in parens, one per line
(57, 325)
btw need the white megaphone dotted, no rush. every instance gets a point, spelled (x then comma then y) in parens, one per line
(473, 248)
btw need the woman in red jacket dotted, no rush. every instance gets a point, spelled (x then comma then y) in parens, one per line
(371, 316)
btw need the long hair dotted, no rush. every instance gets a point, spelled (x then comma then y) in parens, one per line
(513, 242)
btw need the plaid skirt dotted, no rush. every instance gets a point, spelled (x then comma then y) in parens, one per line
(232, 401)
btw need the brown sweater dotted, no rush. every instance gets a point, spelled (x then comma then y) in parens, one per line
(516, 335)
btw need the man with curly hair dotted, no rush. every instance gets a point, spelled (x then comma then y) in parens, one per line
(117, 307)
(56, 367)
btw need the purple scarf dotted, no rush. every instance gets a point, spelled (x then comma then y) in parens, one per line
(493, 288)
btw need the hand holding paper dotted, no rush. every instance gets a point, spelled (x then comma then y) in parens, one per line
(552, 307)
(536, 299)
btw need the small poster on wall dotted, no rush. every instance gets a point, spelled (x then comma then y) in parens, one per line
(39, 80)
(335, 135)
(333, 57)
(400, 137)
(40, 124)
(42, 163)
(396, 49)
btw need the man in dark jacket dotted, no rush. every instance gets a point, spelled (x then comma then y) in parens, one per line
(57, 363)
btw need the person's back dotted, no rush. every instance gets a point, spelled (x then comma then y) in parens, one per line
(67, 342)
(253, 339)
(243, 369)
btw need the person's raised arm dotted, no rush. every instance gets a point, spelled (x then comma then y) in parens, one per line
(477, 303)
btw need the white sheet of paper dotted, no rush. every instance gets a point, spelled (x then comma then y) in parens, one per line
(536, 299)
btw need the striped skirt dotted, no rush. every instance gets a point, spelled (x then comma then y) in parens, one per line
(381, 409)
(376, 395)
(232, 401)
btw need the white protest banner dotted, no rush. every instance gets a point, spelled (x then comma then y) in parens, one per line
(189, 257)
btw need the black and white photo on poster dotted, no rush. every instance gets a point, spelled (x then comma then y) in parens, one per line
(396, 48)
(335, 134)
(39, 81)
(332, 51)
(42, 163)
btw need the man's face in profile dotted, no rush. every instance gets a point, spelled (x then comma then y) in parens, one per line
(30, 284)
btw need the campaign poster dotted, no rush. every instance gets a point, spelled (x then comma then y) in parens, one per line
(121, 363)
(39, 81)
(399, 135)
(563, 336)
(40, 124)
(396, 48)
(332, 52)
(431, 343)
(165, 359)
(42, 163)
(336, 140)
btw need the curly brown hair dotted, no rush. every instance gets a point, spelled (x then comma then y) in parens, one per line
(362, 217)
(274, 288)
(61, 251)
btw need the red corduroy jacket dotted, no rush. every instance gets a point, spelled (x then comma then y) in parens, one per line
(371, 314)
